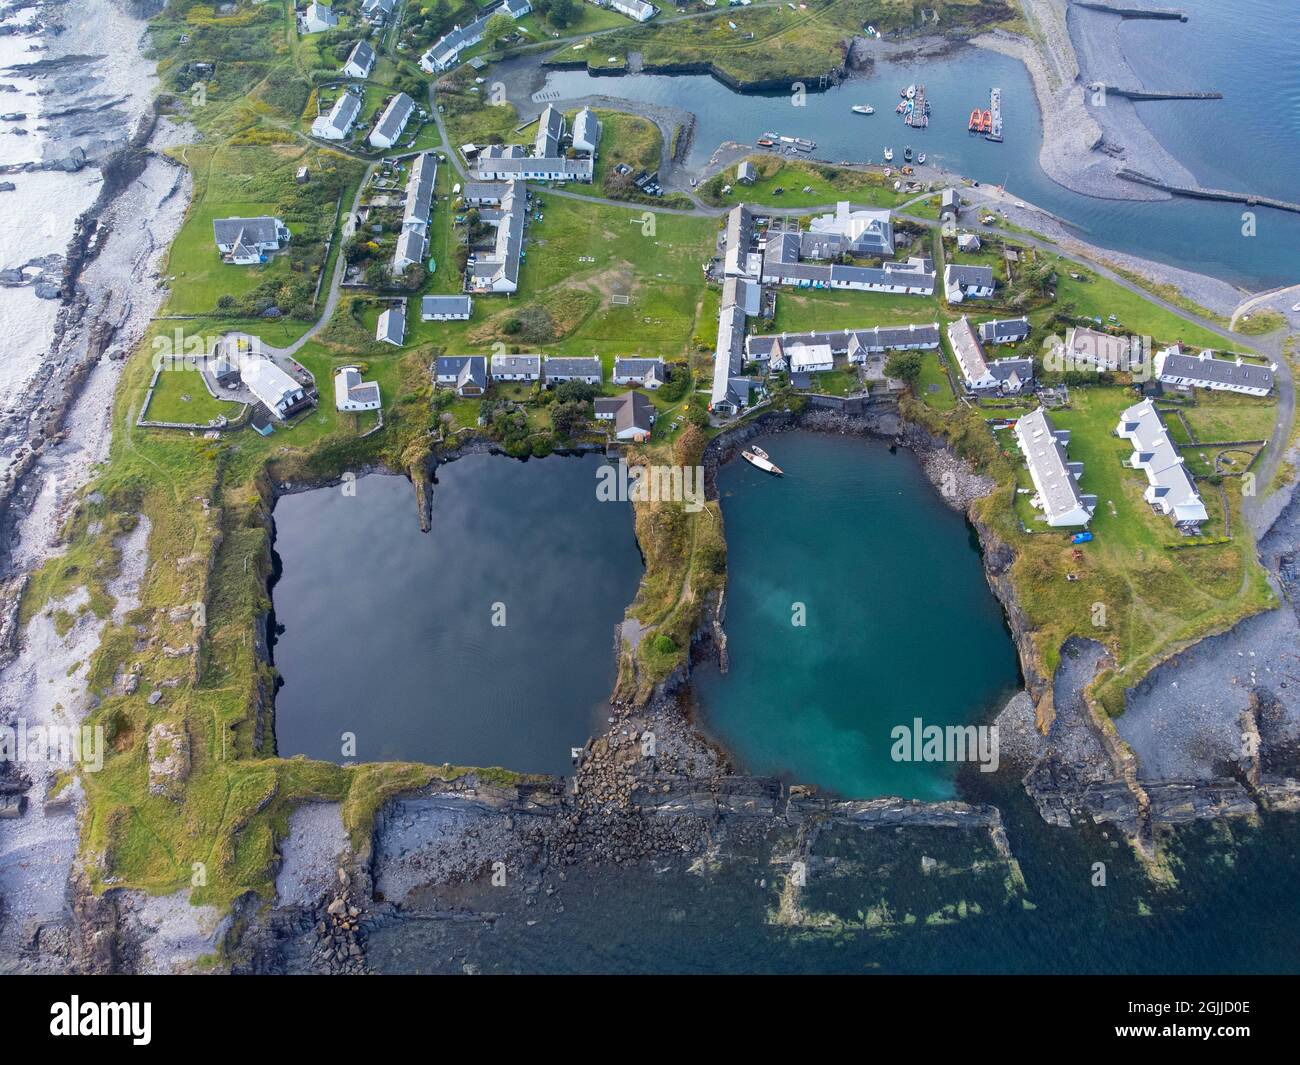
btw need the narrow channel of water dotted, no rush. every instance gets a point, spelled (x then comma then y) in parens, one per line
(856, 602)
(1196, 235)
(489, 641)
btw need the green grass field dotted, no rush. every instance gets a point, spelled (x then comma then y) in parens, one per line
(805, 309)
(825, 184)
(579, 256)
(181, 396)
(1147, 597)
(1098, 297)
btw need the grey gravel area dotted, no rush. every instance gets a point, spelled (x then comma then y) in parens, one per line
(437, 840)
(1020, 744)
(1072, 734)
(172, 934)
(1185, 718)
(1101, 56)
(310, 854)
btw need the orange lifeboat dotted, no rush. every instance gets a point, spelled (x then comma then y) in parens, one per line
(974, 120)
(987, 125)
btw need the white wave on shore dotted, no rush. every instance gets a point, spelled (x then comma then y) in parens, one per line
(90, 104)
(120, 287)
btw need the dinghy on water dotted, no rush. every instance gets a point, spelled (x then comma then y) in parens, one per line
(756, 456)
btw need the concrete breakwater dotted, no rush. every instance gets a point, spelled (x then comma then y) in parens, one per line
(1196, 192)
(1166, 14)
(1156, 94)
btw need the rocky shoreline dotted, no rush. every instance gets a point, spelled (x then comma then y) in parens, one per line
(57, 432)
(649, 789)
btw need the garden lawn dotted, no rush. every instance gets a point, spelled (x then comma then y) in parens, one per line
(1098, 297)
(826, 309)
(1141, 589)
(181, 396)
(827, 185)
(199, 277)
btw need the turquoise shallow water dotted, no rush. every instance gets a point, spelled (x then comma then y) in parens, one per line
(899, 621)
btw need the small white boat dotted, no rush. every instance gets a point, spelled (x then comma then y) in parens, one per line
(921, 159)
(889, 155)
(758, 457)
(863, 109)
(911, 92)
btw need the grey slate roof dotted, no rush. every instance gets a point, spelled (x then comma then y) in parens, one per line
(1088, 347)
(1216, 371)
(574, 367)
(586, 128)
(494, 166)
(877, 338)
(514, 364)
(392, 327)
(464, 368)
(636, 367)
(631, 410)
(450, 45)
(411, 244)
(1004, 330)
(550, 128)
(1054, 475)
(503, 262)
(477, 192)
(344, 112)
(251, 230)
(445, 305)
(395, 116)
(1002, 369)
(968, 275)
(419, 190)
(362, 55)
(968, 352)
(1170, 486)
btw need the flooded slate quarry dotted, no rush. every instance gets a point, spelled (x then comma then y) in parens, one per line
(488, 641)
(857, 604)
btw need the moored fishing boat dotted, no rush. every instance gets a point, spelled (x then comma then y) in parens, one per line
(756, 456)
